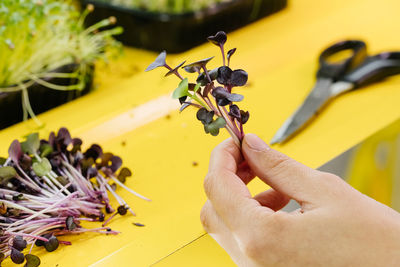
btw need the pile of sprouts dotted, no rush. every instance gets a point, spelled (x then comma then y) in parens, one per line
(49, 186)
(38, 37)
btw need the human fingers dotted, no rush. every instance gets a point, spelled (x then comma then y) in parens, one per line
(226, 191)
(216, 228)
(272, 199)
(281, 172)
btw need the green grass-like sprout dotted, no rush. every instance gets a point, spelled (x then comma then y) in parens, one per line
(40, 36)
(167, 6)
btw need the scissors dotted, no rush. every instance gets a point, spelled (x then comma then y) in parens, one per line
(335, 78)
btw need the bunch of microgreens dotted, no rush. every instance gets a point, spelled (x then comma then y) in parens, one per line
(168, 6)
(210, 98)
(38, 37)
(48, 187)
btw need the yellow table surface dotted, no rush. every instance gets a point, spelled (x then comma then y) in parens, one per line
(280, 54)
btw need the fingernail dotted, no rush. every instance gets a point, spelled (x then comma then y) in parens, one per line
(255, 143)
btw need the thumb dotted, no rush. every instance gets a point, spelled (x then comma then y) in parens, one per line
(281, 172)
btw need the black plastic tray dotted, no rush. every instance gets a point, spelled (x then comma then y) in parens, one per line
(179, 32)
(41, 97)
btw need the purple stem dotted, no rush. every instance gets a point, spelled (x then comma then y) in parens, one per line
(175, 71)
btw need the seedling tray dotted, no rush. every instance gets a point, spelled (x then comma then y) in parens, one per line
(179, 32)
(41, 97)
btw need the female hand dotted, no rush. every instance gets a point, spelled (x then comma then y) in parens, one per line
(335, 226)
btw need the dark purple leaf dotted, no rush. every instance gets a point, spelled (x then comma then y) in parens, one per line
(19, 243)
(69, 223)
(16, 256)
(175, 69)
(202, 79)
(197, 66)
(15, 151)
(220, 92)
(234, 111)
(105, 160)
(224, 75)
(218, 39)
(94, 152)
(213, 74)
(25, 162)
(230, 53)
(52, 138)
(63, 137)
(221, 95)
(244, 116)
(182, 99)
(52, 244)
(192, 69)
(235, 97)
(239, 77)
(159, 62)
(223, 102)
(116, 163)
(205, 116)
(122, 210)
(40, 243)
(76, 145)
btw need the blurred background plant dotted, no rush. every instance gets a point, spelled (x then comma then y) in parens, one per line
(167, 6)
(39, 37)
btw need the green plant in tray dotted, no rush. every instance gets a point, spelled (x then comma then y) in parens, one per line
(212, 91)
(38, 37)
(167, 6)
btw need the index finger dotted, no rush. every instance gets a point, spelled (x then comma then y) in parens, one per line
(228, 194)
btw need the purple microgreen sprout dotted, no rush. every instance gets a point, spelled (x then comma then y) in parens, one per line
(212, 92)
(219, 39)
(230, 54)
(48, 187)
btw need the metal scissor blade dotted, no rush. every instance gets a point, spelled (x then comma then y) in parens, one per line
(318, 97)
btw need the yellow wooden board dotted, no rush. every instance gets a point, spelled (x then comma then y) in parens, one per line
(280, 54)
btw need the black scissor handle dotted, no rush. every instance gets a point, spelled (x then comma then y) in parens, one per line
(374, 68)
(336, 70)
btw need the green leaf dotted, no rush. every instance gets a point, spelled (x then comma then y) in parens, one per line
(196, 88)
(2, 160)
(182, 89)
(32, 260)
(45, 150)
(219, 122)
(213, 127)
(7, 172)
(42, 168)
(31, 145)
